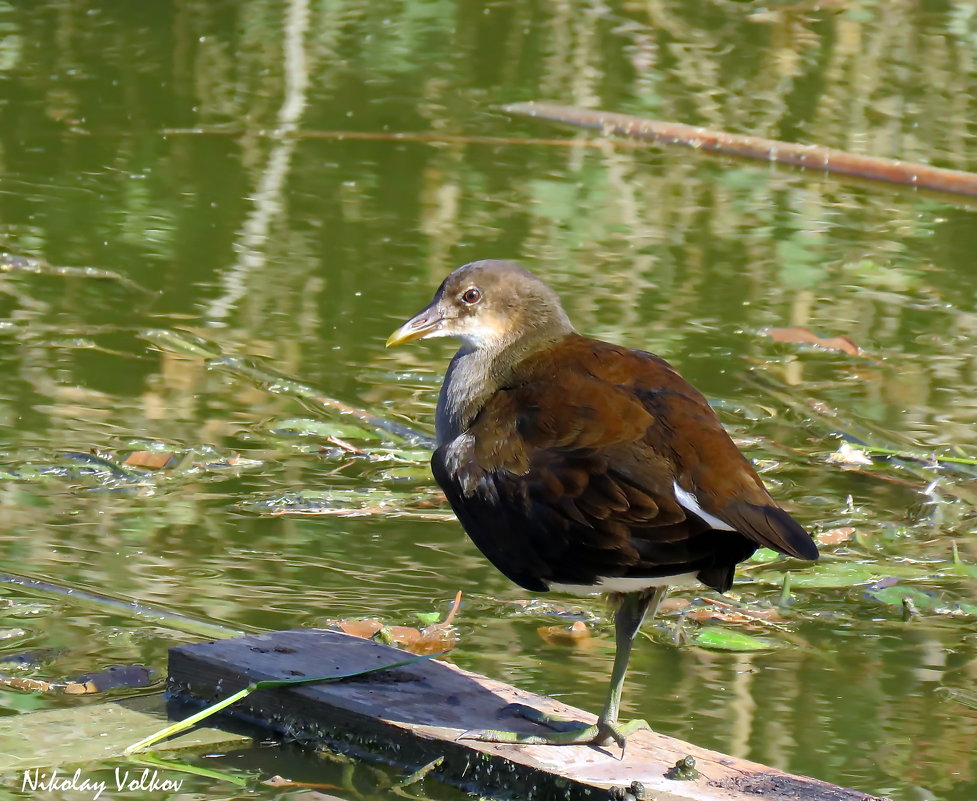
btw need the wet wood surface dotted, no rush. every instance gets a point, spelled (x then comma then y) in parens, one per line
(412, 715)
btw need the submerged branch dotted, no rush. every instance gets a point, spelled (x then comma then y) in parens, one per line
(286, 386)
(155, 614)
(191, 345)
(814, 157)
(404, 136)
(859, 439)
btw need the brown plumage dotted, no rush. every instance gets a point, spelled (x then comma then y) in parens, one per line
(580, 465)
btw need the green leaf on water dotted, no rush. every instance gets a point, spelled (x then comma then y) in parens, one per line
(26, 702)
(428, 618)
(722, 639)
(895, 594)
(181, 342)
(414, 472)
(323, 429)
(966, 697)
(845, 574)
(764, 555)
(410, 455)
(417, 502)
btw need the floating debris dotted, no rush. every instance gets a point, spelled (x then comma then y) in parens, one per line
(111, 678)
(576, 634)
(801, 336)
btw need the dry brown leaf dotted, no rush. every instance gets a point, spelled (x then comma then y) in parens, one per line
(675, 604)
(705, 613)
(428, 640)
(151, 460)
(358, 628)
(728, 613)
(440, 636)
(836, 535)
(281, 781)
(802, 336)
(80, 688)
(342, 444)
(847, 454)
(577, 635)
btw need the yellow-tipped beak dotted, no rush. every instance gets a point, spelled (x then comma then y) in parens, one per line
(425, 322)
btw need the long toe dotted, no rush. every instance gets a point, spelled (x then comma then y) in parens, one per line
(601, 734)
(581, 736)
(544, 719)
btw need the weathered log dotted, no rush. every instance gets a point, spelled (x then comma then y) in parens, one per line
(412, 715)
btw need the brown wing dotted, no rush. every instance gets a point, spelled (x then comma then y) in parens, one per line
(569, 476)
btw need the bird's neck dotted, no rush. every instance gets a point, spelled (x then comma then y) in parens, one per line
(476, 374)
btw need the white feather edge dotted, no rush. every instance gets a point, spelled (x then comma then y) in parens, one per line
(690, 503)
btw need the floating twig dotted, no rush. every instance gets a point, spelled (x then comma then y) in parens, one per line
(815, 157)
(928, 459)
(31, 265)
(455, 606)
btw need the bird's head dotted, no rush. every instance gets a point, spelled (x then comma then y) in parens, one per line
(489, 305)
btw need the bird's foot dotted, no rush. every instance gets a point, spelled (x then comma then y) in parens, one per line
(565, 731)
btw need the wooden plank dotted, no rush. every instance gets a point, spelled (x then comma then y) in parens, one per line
(92, 733)
(415, 714)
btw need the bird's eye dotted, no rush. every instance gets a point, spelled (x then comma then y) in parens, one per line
(473, 295)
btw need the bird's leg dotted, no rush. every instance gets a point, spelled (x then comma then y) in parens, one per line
(633, 607)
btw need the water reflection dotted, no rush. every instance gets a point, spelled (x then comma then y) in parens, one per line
(299, 254)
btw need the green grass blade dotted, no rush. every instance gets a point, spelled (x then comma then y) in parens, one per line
(153, 761)
(189, 722)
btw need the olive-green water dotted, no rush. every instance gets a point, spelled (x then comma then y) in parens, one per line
(193, 148)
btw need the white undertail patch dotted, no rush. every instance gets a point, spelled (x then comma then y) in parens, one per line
(626, 584)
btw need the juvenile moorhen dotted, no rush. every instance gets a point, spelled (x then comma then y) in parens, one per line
(585, 467)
